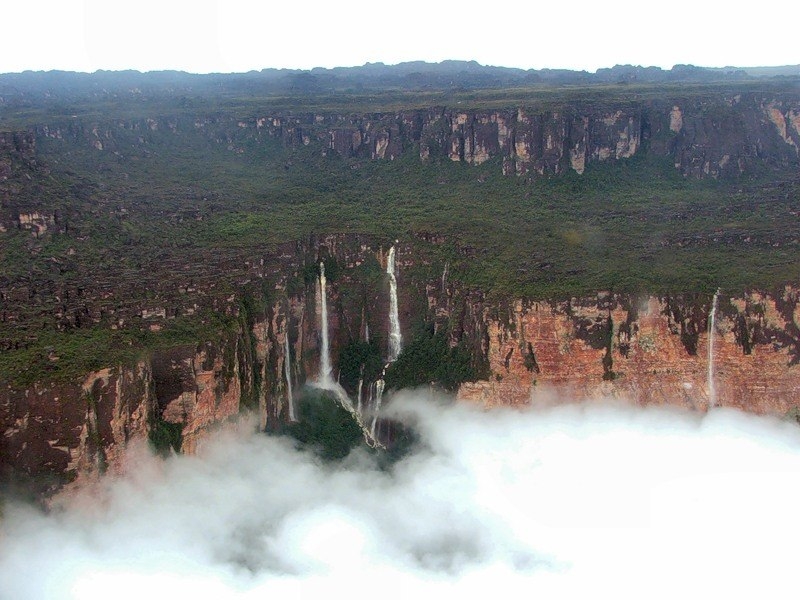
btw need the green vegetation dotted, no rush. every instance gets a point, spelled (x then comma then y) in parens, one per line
(428, 358)
(243, 101)
(359, 360)
(324, 425)
(184, 203)
(165, 438)
(67, 355)
(330, 431)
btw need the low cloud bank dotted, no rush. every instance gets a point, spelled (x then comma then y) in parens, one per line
(571, 501)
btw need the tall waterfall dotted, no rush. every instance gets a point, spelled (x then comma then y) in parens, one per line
(325, 381)
(379, 385)
(287, 370)
(325, 368)
(395, 339)
(712, 317)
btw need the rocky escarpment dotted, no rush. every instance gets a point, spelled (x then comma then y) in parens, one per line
(649, 350)
(641, 348)
(73, 431)
(716, 136)
(64, 431)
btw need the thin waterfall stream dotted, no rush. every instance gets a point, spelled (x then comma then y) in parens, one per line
(712, 321)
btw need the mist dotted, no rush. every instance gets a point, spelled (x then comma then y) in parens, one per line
(564, 502)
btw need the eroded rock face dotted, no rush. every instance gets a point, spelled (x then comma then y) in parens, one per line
(646, 350)
(73, 432)
(198, 388)
(58, 433)
(717, 136)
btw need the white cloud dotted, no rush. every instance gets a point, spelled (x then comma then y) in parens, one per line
(562, 503)
(241, 35)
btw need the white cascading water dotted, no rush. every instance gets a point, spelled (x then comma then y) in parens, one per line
(712, 391)
(359, 406)
(379, 385)
(287, 369)
(395, 339)
(325, 368)
(325, 381)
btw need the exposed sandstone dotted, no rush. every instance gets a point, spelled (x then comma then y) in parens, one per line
(749, 129)
(648, 350)
(658, 352)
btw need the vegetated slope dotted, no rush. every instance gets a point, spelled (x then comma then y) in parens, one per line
(119, 204)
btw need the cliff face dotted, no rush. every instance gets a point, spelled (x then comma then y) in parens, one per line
(52, 434)
(718, 136)
(643, 349)
(722, 137)
(67, 432)
(646, 350)
(70, 432)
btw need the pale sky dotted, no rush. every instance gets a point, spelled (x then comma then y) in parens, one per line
(204, 36)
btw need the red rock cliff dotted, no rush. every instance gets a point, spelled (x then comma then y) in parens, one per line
(649, 350)
(644, 349)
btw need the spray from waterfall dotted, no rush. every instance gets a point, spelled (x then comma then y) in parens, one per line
(712, 392)
(287, 370)
(325, 368)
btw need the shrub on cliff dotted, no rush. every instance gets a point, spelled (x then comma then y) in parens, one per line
(324, 426)
(430, 359)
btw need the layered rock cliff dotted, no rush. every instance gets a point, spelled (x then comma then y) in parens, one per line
(644, 349)
(722, 135)
(73, 431)
(648, 350)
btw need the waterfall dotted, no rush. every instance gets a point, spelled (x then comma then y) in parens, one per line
(444, 278)
(395, 339)
(359, 406)
(324, 381)
(325, 368)
(712, 392)
(347, 404)
(287, 369)
(378, 396)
